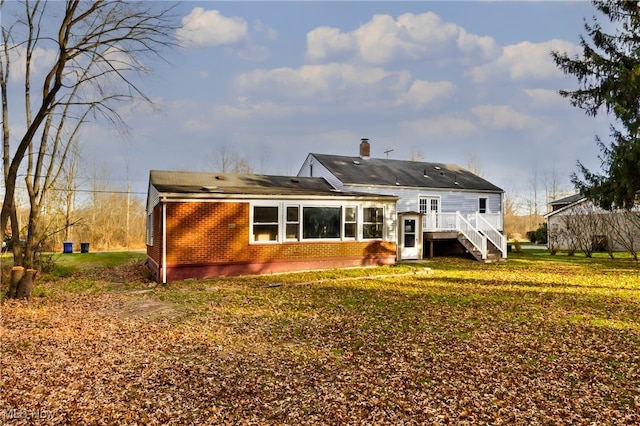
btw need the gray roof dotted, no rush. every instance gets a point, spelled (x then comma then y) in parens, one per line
(220, 184)
(567, 200)
(385, 172)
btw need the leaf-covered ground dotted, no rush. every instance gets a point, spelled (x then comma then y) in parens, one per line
(535, 340)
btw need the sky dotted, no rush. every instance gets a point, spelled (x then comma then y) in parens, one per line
(462, 82)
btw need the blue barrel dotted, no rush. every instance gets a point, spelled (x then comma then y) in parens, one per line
(67, 247)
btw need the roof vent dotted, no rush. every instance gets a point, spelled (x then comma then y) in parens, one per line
(209, 189)
(220, 177)
(356, 162)
(294, 180)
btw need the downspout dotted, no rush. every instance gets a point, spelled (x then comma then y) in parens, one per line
(164, 243)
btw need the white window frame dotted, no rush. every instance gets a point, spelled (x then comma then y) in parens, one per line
(344, 222)
(364, 223)
(283, 221)
(278, 223)
(287, 222)
(486, 205)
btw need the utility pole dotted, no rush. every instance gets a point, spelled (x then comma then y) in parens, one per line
(387, 153)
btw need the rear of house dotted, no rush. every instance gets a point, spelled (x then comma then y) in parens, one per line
(444, 202)
(202, 225)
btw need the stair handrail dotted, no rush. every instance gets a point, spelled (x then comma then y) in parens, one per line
(474, 236)
(492, 234)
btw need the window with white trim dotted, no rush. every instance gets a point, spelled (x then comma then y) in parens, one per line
(372, 221)
(482, 205)
(320, 222)
(265, 223)
(350, 222)
(293, 223)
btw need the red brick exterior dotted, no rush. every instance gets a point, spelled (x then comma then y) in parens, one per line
(208, 239)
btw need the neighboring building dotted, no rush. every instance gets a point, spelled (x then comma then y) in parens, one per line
(202, 225)
(576, 223)
(436, 202)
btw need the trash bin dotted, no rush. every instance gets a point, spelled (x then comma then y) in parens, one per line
(84, 247)
(67, 247)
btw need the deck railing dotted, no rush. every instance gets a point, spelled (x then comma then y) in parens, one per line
(435, 222)
(476, 227)
(492, 234)
(474, 236)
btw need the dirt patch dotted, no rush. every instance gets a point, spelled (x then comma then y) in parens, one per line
(147, 308)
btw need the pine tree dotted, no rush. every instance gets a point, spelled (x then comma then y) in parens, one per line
(608, 72)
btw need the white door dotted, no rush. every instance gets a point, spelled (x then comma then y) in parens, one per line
(409, 239)
(430, 207)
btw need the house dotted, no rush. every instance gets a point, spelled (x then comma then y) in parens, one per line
(202, 225)
(576, 223)
(436, 202)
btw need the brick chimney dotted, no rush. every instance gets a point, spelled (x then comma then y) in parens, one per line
(365, 149)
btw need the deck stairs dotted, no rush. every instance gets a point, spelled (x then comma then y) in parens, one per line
(492, 254)
(485, 243)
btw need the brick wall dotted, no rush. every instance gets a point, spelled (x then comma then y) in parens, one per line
(205, 233)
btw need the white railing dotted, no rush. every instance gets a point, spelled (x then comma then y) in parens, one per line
(492, 234)
(433, 222)
(494, 219)
(476, 238)
(477, 228)
(439, 222)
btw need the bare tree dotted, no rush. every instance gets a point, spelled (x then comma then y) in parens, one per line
(98, 48)
(474, 165)
(416, 154)
(227, 160)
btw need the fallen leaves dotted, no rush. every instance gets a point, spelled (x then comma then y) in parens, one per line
(468, 344)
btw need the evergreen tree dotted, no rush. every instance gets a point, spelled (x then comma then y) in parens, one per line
(608, 72)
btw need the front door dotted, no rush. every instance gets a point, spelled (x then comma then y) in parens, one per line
(410, 247)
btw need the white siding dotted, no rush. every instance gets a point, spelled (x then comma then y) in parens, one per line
(450, 201)
(313, 168)
(153, 198)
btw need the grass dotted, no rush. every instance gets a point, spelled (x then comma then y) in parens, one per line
(538, 339)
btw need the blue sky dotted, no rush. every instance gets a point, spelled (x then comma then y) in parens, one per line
(273, 81)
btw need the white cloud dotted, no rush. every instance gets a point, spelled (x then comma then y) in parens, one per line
(502, 117)
(384, 39)
(209, 28)
(325, 42)
(260, 27)
(41, 61)
(524, 61)
(547, 99)
(422, 93)
(325, 83)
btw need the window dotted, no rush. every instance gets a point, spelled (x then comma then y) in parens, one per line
(423, 205)
(372, 223)
(482, 205)
(321, 222)
(350, 222)
(265, 223)
(293, 223)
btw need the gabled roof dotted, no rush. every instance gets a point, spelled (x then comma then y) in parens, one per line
(385, 172)
(211, 185)
(567, 200)
(566, 203)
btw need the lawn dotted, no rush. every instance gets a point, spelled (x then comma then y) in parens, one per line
(538, 339)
